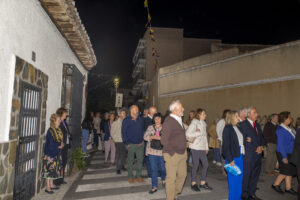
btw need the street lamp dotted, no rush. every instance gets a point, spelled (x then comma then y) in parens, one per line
(116, 83)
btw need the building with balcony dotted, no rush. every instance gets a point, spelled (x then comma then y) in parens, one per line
(172, 47)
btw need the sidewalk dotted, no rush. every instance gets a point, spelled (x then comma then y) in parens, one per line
(59, 194)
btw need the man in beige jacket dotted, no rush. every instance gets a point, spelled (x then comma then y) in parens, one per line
(116, 135)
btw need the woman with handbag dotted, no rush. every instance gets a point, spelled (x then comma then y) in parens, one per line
(52, 167)
(154, 152)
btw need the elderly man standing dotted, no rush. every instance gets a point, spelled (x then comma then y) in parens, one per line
(174, 150)
(133, 138)
(253, 142)
(116, 135)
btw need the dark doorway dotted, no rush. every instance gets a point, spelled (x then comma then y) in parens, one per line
(72, 100)
(26, 158)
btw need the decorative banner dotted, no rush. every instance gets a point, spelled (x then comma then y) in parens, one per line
(119, 100)
(152, 36)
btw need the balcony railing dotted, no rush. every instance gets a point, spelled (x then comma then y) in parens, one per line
(140, 47)
(140, 65)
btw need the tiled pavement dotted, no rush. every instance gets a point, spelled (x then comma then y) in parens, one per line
(100, 182)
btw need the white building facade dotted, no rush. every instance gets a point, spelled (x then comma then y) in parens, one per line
(41, 70)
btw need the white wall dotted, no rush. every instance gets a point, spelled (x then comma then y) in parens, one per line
(25, 27)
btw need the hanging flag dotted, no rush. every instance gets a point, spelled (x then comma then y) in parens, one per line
(151, 30)
(152, 37)
(146, 3)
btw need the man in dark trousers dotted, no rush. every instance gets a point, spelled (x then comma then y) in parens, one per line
(271, 141)
(133, 137)
(253, 142)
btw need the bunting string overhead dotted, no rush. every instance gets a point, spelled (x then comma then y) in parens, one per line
(152, 36)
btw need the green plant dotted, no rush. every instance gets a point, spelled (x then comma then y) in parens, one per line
(77, 158)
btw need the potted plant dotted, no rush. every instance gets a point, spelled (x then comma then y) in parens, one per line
(77, 159)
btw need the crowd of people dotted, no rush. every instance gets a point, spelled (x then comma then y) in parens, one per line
(166, 145)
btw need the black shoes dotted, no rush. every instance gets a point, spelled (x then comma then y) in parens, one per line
(153, 191)
(118, 171)
(254, 197)
(195, 188)
(291, 191)
(277, 188)
(205, 186)
(49, 192)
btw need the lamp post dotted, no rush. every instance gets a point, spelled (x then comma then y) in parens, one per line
(116, 84)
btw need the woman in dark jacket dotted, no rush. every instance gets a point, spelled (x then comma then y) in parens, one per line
(295, 158)
(285, 143)
(52, 168)
(62, 113)
(233, 150)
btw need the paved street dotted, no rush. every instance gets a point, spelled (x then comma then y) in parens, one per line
(100, 181)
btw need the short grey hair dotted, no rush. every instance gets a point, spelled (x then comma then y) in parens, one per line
(248, 110)
(173, 105)
(242, 109)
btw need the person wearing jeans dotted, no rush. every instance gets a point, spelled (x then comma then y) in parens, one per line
(199, 149)
(148, 120)
(133, 138)
(154, 152)
(85, 132)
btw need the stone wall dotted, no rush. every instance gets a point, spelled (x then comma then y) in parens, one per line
(27, 73)
(7, 171)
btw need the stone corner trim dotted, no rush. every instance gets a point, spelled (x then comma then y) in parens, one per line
(64, 14)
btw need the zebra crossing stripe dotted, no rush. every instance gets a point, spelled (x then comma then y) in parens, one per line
(108, 185)
(101, 169)
(97, 162)
(159, 195)
(106, 175)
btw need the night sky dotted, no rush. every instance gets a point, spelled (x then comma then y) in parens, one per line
(115, 27)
